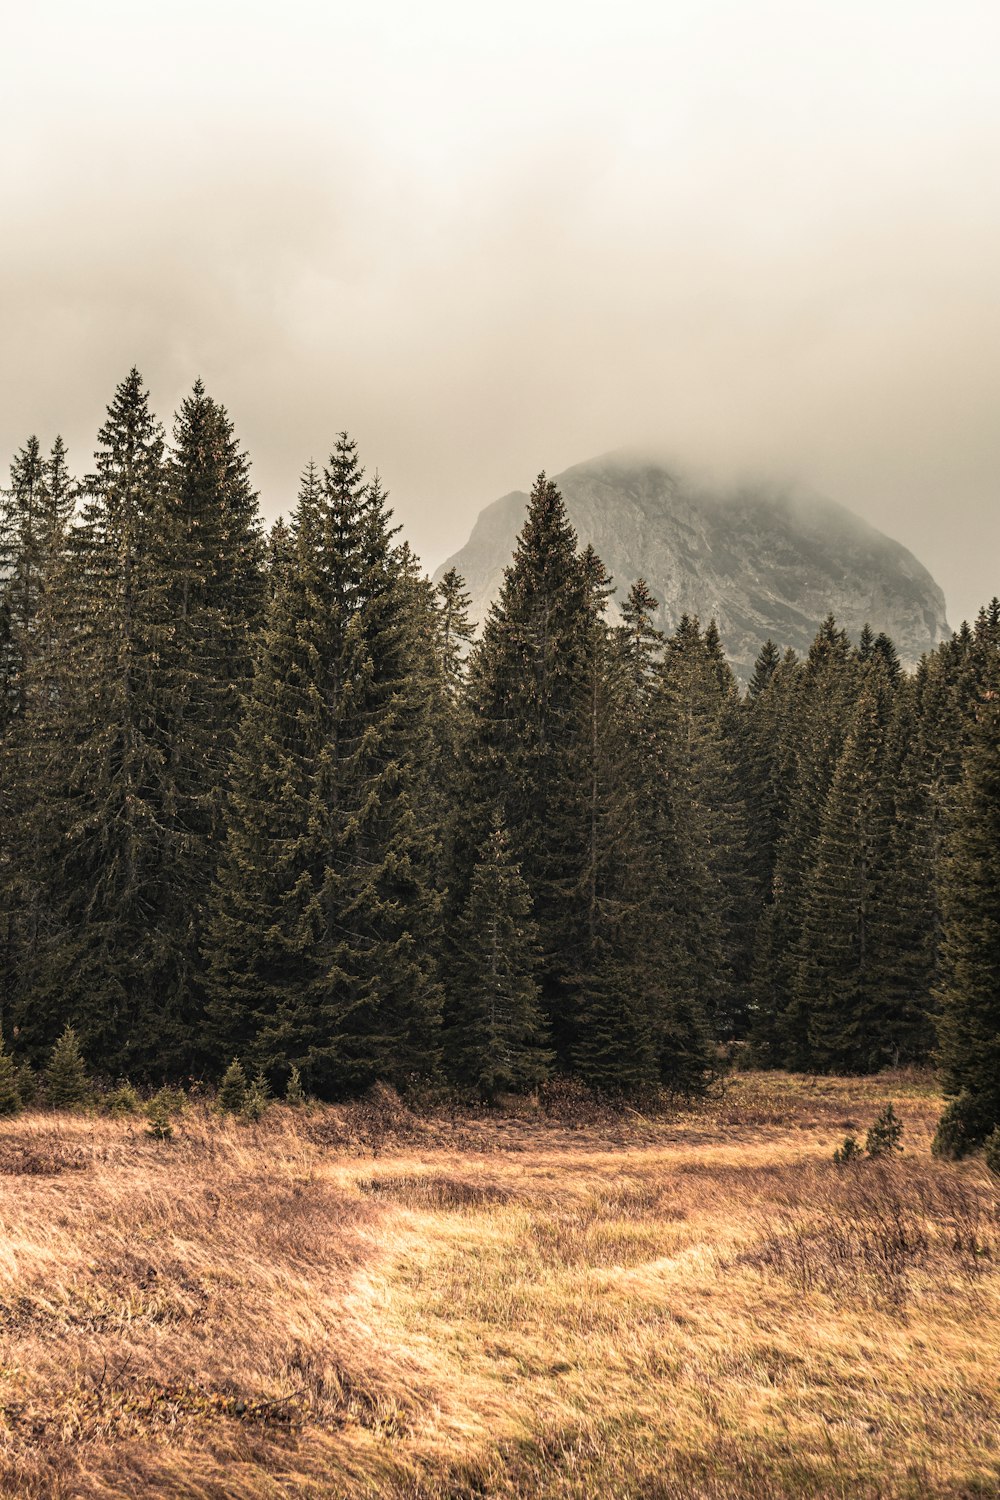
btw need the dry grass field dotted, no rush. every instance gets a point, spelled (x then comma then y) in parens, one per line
(357, 1302)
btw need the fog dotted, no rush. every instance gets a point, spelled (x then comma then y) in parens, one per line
(760, 238)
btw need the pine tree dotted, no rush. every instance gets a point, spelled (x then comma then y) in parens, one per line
(640, 639)
(10, 1094)
(280, 552)
(524, 755)
(456, 629)
(494, 1033)
(702, 823)
(22, 547)
(768, 737)
(969, 1021)
(66, 1082)
(35, 751)
(641, 1025)
(324, 919)
(833, 985)
(233, 1088)
(619, 1010)
(295, 1096)
(100, 786)
(207, 554)
(159, 1126)
(904, 923)
(825, 694)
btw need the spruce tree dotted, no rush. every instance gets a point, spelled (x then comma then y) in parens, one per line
(102, 955)
(233, 1088)
(639, 1025)
(904, 921)
(834, 983)
(295, 1096)
(615, 1049)
(207, 552)
(494, 1033)
(702, 823)
(66, 1082)
(969, 996)
(34, 514)
(524, 754)
(456, 629)
(825, 693)
(768, 732)
(10, 1094)
(324, 919)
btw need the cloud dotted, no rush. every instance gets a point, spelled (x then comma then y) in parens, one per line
(485, 252)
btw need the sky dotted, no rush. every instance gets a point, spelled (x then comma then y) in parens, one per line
(755, 237)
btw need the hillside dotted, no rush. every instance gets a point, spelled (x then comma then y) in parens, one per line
(764, 562)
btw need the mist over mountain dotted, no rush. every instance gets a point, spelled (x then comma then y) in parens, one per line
(762, 560)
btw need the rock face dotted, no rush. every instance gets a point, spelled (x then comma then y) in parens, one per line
(761, 561)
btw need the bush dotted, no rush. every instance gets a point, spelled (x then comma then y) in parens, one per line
(10, 1094)
(953, 1137)
(175, 1099)
(122, 1100)
(256, 1100)
(66, 1082)
(158, 1111)
(991, 1151)
(885, 1135)
(294, 1092)
(233, 1089)
(27, 1084)
(848, 1152)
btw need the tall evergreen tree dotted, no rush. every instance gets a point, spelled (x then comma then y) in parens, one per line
(904, 925)
(102, 958)
(703, 824)
(969, 1021)
(323, 923)
(618, 1013)
(494, 1035)
(22, 546)
(834, 985)
(825, 695)
(456, 628)
(524, 756)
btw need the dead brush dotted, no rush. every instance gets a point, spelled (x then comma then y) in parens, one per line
(44, 1159)
(860, 1241)
(431, 1191)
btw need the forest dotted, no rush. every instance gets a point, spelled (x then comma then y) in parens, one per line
(269, 795)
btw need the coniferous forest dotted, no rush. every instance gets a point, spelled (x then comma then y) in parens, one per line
(265, 797)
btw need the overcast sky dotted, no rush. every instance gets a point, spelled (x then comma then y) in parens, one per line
(486, 240)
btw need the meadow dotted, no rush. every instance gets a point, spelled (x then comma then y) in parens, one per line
(362, 1301)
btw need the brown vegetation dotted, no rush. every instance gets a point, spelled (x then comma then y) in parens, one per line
(363, 1302)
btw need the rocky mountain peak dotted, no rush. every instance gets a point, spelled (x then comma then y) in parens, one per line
(762, 560)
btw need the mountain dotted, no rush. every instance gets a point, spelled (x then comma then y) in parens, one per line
(761, 560)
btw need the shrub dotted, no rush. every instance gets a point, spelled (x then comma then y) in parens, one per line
(27, 1084)
(991, 1151)
(953, 1137)
(294, 1092)
(885, 1135)
(175, 1100)
(122, 1100)
(158, 1110)
(233, 1089)
(256, 1100)
(66, 1082)
(848, 1152)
